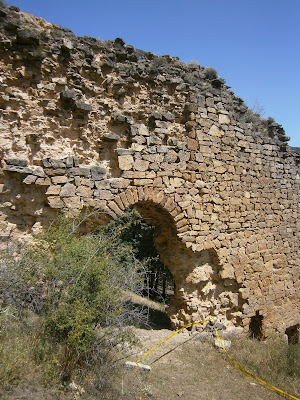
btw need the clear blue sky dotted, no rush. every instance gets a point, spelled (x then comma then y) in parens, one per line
(254, 44)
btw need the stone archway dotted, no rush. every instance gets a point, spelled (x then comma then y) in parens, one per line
(200, 291)
(203, 286)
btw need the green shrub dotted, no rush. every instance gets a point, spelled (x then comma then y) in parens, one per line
(270, 120)
(75, 284)
(131, 229)
(191, 78)
(210, 73)
(66, 302)
(250, 116)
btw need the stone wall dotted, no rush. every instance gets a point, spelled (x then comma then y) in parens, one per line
(87, 124)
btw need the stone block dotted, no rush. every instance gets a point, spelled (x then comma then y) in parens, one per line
(220, 170)
(176, 182)
(135, 195)
(98, 173)
(30, 179)
(104, 184)
(110, 136)
(124, 199)
(103, 194)
(139, 129)
(224, 119)
(168, 116)
(16, 169)
(141, 165)
(43, 182)
(141, 194)
(150, 175)
(119, 202)
(73, 202)
(69, 161)
(129, 196)
(119, 183)
(18, 162)
(55, 172)
(53, 190)
(182, 222)
(79, 171)
(114, 207)
(125, 162)
(184, 155)
(84, 182)
(171, 156)
(192, 144)
(83, 107)
(142, 182)
(59, 179)
(215, 131)
(68, 190)
(84, 191)
(157, 182)
(134, 174)
(57, 164)
(55, 202)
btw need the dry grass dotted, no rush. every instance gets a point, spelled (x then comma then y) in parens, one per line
(198, 370)
(31, 369)
(19, 353)
(195, 370)
(273, 360)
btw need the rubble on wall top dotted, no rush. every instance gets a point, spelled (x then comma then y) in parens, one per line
(37, 39)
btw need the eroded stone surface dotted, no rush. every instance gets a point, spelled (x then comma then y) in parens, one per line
(99, 125)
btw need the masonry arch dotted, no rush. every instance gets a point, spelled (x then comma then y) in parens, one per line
(200, 291)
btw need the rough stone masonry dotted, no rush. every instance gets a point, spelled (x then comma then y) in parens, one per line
(88, 124)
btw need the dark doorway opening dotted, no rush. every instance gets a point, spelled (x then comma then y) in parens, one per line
(255, 327)
(157, 281)
(293, 334)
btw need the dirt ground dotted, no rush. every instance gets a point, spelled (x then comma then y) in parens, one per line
(184, 367)
(194, 370)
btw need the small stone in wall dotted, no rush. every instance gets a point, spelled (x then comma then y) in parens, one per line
(68, 190)
(111, 136)
(55, 202)
(17, 162)
(83, 106)
(59, 179)
(215, 131)
(97, 172)
(30, 179)
(73, 202)
(43, 181)
(141, 165)
(125, 162)
(224, 119)
(84, 191)
(53, 190)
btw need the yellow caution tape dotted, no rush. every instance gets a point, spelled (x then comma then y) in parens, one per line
(251, 375)
(234, 362)
(167, 338)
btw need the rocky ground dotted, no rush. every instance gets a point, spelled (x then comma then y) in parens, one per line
(193, 370)
(184, 367)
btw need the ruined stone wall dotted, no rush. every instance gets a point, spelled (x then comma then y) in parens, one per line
(87, 124)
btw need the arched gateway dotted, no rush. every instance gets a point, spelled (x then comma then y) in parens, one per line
(100, 125)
